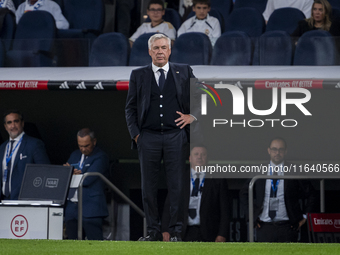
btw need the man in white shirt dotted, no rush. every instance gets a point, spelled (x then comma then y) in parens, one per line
(277, 211)
(303, 5)
(43, 5)
(155, 11)
(19, 150)
(205, 210)
(202, 22)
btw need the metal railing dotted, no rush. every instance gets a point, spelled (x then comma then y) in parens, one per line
(115, 189)
(299, 177)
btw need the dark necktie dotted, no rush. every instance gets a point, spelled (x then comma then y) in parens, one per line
(272, 213)
(9, 165)
(194, 193)
(195, 188)
(161, 79)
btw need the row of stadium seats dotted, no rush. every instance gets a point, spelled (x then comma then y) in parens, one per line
(27, 50)
(232, 48)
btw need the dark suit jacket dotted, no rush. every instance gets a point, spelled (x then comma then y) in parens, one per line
(293, 191)
(138, 99)
(32, 150)
(214, 211)
(94, 201)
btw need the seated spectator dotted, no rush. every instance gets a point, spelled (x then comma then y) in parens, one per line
(303, 5)
(43, 5)
(320, 19)
(202, 21)
(155, 11)
(7, 4)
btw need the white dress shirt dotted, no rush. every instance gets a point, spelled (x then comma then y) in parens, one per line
(16, 140)
(157, 73)
(195, 202)
(281, 213)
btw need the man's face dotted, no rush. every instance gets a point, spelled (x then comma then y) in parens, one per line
(277, 151)
(155, 12)
(160, 52)
(198, 157)
(14, 125)
(201, 10)
(86, 144)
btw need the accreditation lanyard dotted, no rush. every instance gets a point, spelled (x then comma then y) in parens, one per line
(272, 183)
(193, 183)
(81, 162)
(9, 157)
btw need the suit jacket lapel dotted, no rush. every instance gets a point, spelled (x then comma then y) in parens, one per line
(145, 90)
(177, 75)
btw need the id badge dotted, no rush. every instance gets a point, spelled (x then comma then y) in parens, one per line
(5, 175)
(193, 204)
(273, 204)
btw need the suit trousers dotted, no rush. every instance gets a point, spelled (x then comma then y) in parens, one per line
(193, 234)
(153, 147)
(92, 227)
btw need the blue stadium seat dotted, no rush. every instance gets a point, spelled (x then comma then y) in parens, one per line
(173, 17)
(192, 48)
(140, 51)
(260, 5)
(8, 30)
(224, 7)
(336, 13)
(86, 18)
(315, 48)
(276, 48)
(334, 3)
(33, 41)
(248, 20)
(285, 19)
(232, 48)
(110, 49)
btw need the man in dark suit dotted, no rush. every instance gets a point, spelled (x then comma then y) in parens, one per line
(157, 114)
(277, 213)
(16, 152)
(205, 209)
(89, 158)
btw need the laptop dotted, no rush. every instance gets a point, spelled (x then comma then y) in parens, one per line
(43, 185)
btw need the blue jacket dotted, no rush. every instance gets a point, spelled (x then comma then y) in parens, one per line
(32, 150)
(94, 201)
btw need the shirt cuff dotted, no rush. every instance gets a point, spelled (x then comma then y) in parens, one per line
(195, 119)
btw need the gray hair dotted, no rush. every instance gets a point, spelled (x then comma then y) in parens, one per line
(155, 37)
(86, 132)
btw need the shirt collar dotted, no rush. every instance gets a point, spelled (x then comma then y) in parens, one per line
(194, 174)
(280, 166)
(206, 18)
(165, 67)
(18, 137)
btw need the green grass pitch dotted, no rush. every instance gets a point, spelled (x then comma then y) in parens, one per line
(42, 247)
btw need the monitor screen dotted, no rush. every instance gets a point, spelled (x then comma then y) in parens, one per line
(46, 182)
